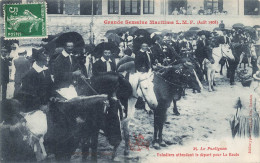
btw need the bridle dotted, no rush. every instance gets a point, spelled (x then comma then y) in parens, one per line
(171, 83)
(83, 78)
(138, 85)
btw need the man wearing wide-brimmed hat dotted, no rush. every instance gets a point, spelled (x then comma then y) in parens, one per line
(201, 52)
(37, 85)
(66, 67)
(143, 59)
(106, 63)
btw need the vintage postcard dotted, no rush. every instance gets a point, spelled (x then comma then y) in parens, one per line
(130, 81)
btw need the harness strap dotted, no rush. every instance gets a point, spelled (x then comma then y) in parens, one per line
(144, 95)
(169, 81)
(85, 81)
(222, 52)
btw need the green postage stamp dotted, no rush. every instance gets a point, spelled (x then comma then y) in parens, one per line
(25, 21)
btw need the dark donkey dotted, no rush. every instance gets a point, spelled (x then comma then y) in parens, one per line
(116, 87)
(64, 128)
(63, 133)
(191, 63)
(166, 85)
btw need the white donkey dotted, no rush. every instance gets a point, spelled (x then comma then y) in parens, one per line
(212, 66)
(142, 86)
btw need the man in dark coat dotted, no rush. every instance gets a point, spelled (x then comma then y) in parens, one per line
(238, 50)
(37, 85)
(5, 63)
(224, 39)
(143, 59)
(176, 45)
(157, 51)
(22, 65)
(185, 47)
(66, 68)
(201, 52)
(221, 25)
(105, 63)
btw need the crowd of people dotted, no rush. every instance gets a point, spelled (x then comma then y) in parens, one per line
(148, 51)
(38, 77)
(194, 11)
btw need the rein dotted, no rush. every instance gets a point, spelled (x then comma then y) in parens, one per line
(165, 66)
(87, 83)
(166, 81)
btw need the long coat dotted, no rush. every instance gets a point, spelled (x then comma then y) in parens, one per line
(176, 46)
(142, 63)
(36, 89)
(184, 45)
(62, 70)
(223, 40)
(4, 70)
(158, 53)
(22, 65)
(201, 52)
(100, 66)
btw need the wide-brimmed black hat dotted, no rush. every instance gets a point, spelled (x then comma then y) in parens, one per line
(142, 32)
(74, 37)
(204, 32)
(38, 55)
(100, 48)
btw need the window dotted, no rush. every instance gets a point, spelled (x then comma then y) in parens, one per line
(213, 7)
(97, 7)
(220, 5)
(113, 6)
(86, 7)
(148, 6)
(251, 7)
(176, 7)
(55, 7)
(130, 7)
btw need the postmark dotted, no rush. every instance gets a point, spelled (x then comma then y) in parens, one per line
(25, 21)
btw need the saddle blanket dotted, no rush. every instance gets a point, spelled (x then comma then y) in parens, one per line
(68, 93)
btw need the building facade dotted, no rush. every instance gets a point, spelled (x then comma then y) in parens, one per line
(153, 7)
(88, 16)
(145, 7)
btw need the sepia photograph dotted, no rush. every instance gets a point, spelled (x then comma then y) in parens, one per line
(129, 81)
